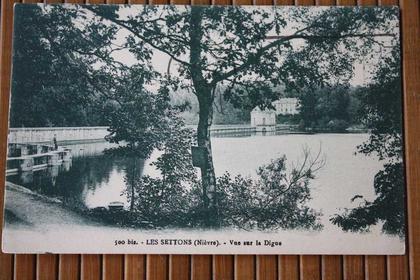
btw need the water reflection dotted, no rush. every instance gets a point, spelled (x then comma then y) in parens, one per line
(94, 180)
(90, 180)
(249, 133)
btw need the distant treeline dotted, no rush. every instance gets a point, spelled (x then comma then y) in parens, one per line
(223, 111)
(329, 108)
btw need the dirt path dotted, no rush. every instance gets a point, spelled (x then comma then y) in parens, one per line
(26, 208)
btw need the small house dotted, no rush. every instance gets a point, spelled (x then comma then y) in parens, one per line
(263, 120)
(286, 106)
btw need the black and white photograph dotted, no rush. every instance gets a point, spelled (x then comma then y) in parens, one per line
(166, 129)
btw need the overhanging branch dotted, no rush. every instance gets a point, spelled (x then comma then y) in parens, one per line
(124, 25)
(255, 58)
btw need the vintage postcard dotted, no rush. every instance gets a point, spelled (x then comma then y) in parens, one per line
(205, 130)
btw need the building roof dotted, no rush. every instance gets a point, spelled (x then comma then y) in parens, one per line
(266, 110)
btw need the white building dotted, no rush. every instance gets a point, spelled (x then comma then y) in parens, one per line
(286, 106)
(263, 120)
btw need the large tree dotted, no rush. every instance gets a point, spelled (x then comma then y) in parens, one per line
(53, 65)
(249, 51)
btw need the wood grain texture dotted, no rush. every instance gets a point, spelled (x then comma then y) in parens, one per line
(310, 268)
(304, 2)
(201, 267)
(267, 267)
(179, 267)
(346, 2)
(410, 11)
(241, 267)
(223, 267)
(332, 267)
(263, 2)
(157, 267)
(245, 267)
(375, 267)
(53, 1)
(91, 267)
(366, 2)
(289, 267)
(6, 266)
(113, 267)
(397, 267)
(325, 2)
(137, 1)
(47, 267)
(387, 2)
(25, 267)
(284, 2)
(135, 267)
(69, 267)
(353, 267)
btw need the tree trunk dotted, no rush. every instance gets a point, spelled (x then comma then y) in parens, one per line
(204, 94)
(208, 177)
(133, 179)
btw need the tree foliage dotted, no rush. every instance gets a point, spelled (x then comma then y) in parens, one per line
(277, 198)
(164, 200)
(139, 120)
(381, 111)
(53, 66)
(329, 108)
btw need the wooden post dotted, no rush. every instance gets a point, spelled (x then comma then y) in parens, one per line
(53, 159)
(26, 165)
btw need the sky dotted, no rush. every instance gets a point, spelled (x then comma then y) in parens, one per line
(362, 69)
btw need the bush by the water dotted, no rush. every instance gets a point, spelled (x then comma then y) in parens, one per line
(275, 199)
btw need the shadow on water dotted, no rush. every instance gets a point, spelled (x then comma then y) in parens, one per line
(91, 179)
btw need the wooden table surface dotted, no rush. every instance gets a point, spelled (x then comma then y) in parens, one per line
(229, 266)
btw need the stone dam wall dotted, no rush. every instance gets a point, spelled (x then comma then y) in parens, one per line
(62, 134)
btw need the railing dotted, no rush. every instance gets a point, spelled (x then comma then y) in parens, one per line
(29, 157)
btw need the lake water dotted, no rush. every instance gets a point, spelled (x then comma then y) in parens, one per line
(93, 180)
